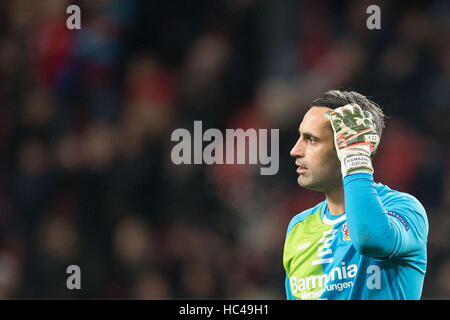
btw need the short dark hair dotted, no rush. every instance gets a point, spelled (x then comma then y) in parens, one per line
(337, 98)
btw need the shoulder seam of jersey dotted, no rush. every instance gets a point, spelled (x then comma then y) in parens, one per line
(302, 216)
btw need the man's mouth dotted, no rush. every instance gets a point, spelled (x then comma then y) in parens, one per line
(301, 169)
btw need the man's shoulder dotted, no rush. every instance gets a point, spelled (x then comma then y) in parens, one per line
(302, 216)
(403, 205)
(390, 197)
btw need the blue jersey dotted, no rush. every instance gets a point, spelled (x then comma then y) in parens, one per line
(375, 250)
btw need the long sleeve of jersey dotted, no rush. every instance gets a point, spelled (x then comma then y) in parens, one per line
(382, 230)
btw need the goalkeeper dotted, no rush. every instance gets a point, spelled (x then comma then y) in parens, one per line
(365, 240)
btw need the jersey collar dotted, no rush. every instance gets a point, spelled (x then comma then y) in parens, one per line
(329, 219)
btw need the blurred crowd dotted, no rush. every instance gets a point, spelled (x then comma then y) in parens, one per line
(86, 118)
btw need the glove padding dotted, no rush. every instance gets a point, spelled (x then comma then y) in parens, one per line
(355, 138)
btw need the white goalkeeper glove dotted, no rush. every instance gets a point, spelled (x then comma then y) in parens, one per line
(355, 138)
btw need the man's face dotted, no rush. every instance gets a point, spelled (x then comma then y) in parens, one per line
(315, 154)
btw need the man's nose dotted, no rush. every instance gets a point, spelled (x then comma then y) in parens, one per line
(298, 150)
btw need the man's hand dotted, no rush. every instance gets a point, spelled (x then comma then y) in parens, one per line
(355, 138)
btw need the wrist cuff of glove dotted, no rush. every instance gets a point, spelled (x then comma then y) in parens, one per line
(356, 163)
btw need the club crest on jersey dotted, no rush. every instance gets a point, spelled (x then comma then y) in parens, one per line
(345, 234)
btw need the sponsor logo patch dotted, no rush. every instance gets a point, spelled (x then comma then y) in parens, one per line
(399, 218)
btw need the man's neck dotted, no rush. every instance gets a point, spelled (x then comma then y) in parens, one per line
(336, 201)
